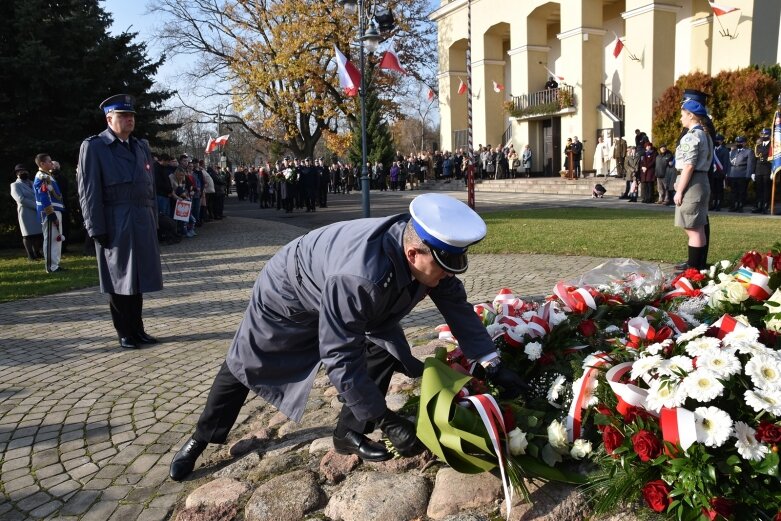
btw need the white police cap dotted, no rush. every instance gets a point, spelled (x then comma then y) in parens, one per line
(448, 227)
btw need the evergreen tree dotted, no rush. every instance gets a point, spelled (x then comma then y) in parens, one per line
(379, 141)
(57, 63)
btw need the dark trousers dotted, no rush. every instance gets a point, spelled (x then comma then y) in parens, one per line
(33, 245)
(762, 185)
(126, 313)
(227, 396)
(738, 186)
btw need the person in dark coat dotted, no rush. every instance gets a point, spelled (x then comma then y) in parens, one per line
(648, 173)
(335, 298)
(719, 173)
(118, 202)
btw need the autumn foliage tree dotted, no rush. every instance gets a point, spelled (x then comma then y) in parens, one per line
(275, 60)
(741, 103)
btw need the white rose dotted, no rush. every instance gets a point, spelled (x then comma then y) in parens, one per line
(717, 298)
(518, 442)
(580, 449)
(774, 324)
(735, 292)
(725, 278)
(557, 436)
(725, 264)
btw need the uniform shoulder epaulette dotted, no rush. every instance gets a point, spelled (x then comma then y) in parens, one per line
(92, 137)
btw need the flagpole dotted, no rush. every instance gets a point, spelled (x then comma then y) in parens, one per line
(470, 180)
(364, 154)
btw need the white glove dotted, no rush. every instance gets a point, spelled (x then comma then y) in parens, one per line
(753, 177)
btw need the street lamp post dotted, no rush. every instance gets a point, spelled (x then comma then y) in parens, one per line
(368, 41)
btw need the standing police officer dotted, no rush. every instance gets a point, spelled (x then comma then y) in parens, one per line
(117, 196)
(742, 164)
(719, 174)
(761, 173)
(335, 297)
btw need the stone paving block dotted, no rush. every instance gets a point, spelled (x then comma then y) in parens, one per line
(17, 453)
(110, 472)
(100, 511)
(125, 512)
(51, 470)
(76, 461)
(143, 463)
(128, 479)
(15, 474)
(83, 471)
(18, 483)
(153, 514)
(20, 442)
(97, 483)
(20, 494)
(118, 492)
(33, 501)
(76, 434)
(126, 456)
(122, 437)
(52, 481)
(46, 509)
(64, 489)
(17, 463)
(80, 502)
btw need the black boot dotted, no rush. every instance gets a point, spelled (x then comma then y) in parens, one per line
(697, 256)
(184, 461)
(717, 205)
(704, 259)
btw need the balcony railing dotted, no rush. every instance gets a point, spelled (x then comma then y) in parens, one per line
(542, 102)
(612, 102)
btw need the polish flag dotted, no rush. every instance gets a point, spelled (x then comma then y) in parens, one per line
(221, 140)
(210, 145)
(618, 47)
(719, 9)
(461, 86)
(553, 74)
(349, 76)
(390, 60)
(498, 87)
(431, 94)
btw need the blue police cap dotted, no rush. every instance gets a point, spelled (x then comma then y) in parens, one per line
(694, 95)
(448, 227)
(118, 103)
(740, 139)
(765, 132)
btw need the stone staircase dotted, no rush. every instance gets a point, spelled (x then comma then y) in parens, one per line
(534, 185)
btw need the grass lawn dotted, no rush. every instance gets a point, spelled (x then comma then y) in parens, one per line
(20, 278)
(604, 232)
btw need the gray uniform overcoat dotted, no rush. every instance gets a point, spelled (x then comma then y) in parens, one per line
(117, 196)
(29, 220)
(321, 298)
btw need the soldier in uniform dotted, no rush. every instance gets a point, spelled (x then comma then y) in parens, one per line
(335, 297)
(741, 165)
(619, 155)
(51, 206)
(719, 173)
(694, 159)
(117, 196)
(323, 178)
(761, 174)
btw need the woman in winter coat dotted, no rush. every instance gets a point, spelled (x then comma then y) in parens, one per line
(648, 173)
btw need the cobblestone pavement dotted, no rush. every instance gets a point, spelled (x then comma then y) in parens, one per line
(87, 430)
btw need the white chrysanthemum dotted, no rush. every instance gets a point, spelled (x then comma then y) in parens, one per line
(762, 401)
(655, 349)
(557, 436)
(754, 348)
(702, 385)
(741, 337)
(580, 448)
(664, 393)
(701, 345)
(533, 350)
(644, 365)
(692, 334)
(518, 442)
(747, 443)
(765, 372)
(722, 363)
(676, 366)
(555, 389)
(713, 426)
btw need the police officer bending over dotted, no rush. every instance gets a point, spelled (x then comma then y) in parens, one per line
(334, 297)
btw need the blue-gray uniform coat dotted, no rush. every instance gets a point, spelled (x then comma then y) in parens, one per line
(29, 220)
(319, 300)
(117, 196)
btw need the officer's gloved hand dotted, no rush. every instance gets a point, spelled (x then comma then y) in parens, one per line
(754, 177)
(102, 239)
(511, 384)
(52, 218)
(401, 433)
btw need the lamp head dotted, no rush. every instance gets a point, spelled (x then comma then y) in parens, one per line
(371, 38)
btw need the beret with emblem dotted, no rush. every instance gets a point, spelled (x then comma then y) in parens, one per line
(448, 227)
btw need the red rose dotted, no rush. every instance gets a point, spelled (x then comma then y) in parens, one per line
(587, 328)
(777, 267)
(768, 337)
(751, 260)
(778, 516)
(646, 445)
(632, 413)
(719, 507)
(768, 432)
(509, 418)
(612, 438)
(546, 359)
(656, 494)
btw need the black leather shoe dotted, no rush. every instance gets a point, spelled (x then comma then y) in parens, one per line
(126, 342)
(184, 461)
(361, 446)
(143, 338)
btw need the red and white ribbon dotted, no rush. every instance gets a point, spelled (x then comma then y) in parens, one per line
(725, 325)
(758, 287)
(576, 300)
(485, 312)
(506, 303)
(678, 426)
(641, 331)
(627, 394)
(445, 333)
(494, 423)
(581, 390)
(683, 288)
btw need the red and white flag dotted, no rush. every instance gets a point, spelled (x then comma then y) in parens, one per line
(349, 76)
(390, 60)
(461, 86)
(221, 140)
(431, 94)
(210, 145)
(498, 87)
(719, 9)
(554, 75)
(619, 46)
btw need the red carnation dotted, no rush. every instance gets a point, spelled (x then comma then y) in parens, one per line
(768, 432)
(546, 359)
(751, 260)
(646, 445)
(719, 507)
(611, 438)
(509, 418)
(657, 494)
(777, 263)
(587, 328)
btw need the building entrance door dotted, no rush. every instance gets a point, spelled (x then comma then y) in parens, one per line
(551, 146)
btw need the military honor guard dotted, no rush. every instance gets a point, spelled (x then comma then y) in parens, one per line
(335, 298)
(50, 206)
(117, 196)
(761, 175)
